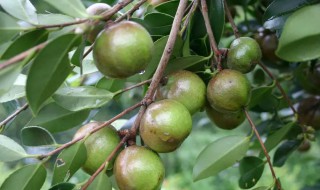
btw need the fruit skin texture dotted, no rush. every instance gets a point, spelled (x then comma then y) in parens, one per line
(244, 54)
(99, 145)
(309, 112)
(122, 50)
(226, 121)
(165, 125)
(138, 168)
(228, 91)
(186, 88)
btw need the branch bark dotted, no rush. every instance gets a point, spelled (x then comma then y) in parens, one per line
(233, 25)
(9, 118)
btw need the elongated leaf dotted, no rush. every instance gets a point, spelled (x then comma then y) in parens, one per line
(83, 97)
(30, 177)
(36, 136)
(68, 162)
(284, 151)
(73, 8)
(8, 76)
(10, 150)
(50, 19)
(16, 91)
(56, 119)
(101, 182)
(8, 27)
(48, 72)
(300, 45)
(251, 169)
(63, 186)
(21, 9)
(220, 155)
(169, 7)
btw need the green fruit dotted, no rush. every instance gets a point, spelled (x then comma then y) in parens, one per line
(138, 168)
(184, 86)
(122, 50)
(225, 120)
(228, 91)
(244, 54)
(165, 125)
(309, 112)
(99, 145)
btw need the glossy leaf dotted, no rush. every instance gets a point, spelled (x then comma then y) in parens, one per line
(63, 186)
(29, 177)
(251, 169)
(169, 7)
(50, 19)
(83, 97)
(10, 150)
(36, 136)
(68, 162)
(101, 182)
(276, 23)
(8, 76)
(73, 8)
(21, 9)
(284, 151)
(16, 91)
(56, 119)
(8, 27)
(48, 72)
(300, 45)
(220, 155)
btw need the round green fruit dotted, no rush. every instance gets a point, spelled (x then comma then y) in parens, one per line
(99, 145)
(138, 168)
(309, 112)
(228, 91)
(226, 121)
(122, 50)
(186, 88)
(165, 125)
(244, 54)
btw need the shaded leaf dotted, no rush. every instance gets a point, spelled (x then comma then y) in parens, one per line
(284, 151)
(36, 136)
(21, 9)
(29, 177)
(220, 155)
(10, 150)
(16, 91)
(73, 8)
(8, 27)
(101, 182)
(262, 188)
(56, 119)
(112, 85)
(48, 72)
(63, 186)
(251, 169)
(68, 162)
(169, 7)
(258, 94)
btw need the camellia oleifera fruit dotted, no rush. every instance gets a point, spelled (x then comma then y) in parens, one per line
(226, 121)
(309, 112)
(99, 145)
(122, 50)
(165, 125)
(140, 168)
(228, 91)
(244, 54)
(186, 88)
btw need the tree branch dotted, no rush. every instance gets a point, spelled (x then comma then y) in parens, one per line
(14, 114)
(233, 25)
(264, 149)
(133, 86)
(131, 11)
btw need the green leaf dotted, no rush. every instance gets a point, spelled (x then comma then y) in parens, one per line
(73, 8)
(25, 42)
(101, 182)
(300, 45)
(56, 119)
(68, 162)
(36, 136)
(258, 94)
(49, 69)
(77, 56)
(50, 19)
(8, 27)
(21, 9)
(251, 169)
(262, 188)
(30, 177)
(220, 155)
(10, 150)
(16, 91)
(8, 76)
(169, 7)
(63, 186)
(284, 151)
(83, 97)
(112, 85)
(277, 23)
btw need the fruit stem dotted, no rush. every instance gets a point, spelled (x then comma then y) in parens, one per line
(233, 25)
(131, 11)
(14, 114)
(263, 148)
(104, 164)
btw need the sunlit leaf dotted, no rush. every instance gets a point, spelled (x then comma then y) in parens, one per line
(101, 182)
(21, 9)
(16, 91)
(8, 75)
(10, 150)
(36, 136)
(74, 8)
(8, 27)
(50, 19)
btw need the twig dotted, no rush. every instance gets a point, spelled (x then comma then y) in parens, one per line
(162, 64)
(134, 86)
(131, 11)
(124, 112)
(100, 169)
(14, 114)
(191, 11)
(233, 25)
(264, 149)
(62, 25)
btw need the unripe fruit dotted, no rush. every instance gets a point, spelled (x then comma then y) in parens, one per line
(309, 112)
(122, 50)
(186, 88)
(138, 168)
(99, 145)
(228, 91)
(244, 54)
(226, 121)
(165, 125)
